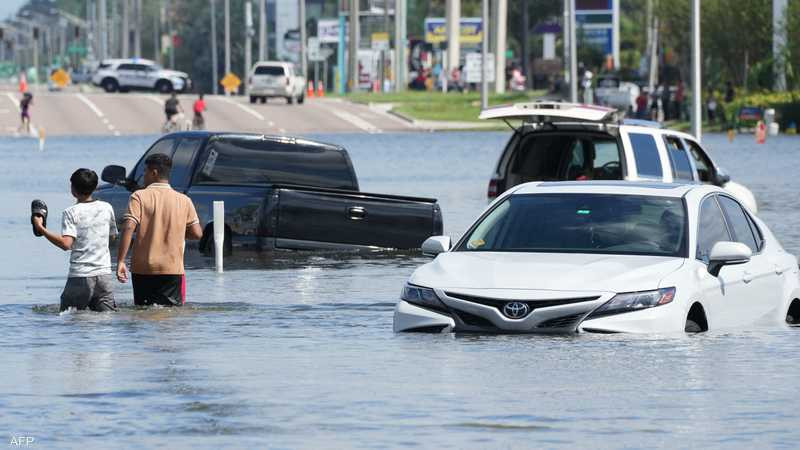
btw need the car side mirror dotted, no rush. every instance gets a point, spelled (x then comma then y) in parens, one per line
(114, 175)
(722, 178)
(435, 245)
(727, 253)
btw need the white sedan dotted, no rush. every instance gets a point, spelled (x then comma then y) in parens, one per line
(605, 257)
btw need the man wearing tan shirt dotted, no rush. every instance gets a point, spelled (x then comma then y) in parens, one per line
(163, 219)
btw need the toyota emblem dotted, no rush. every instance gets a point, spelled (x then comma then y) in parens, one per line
(515, 310)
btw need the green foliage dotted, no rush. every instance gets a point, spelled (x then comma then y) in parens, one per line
(786, 105)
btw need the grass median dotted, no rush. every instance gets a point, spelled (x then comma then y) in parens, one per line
(439, 106)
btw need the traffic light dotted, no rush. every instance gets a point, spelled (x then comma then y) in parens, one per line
(36, 33)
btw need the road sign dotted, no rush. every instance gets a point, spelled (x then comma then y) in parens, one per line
(472, 69)
(60, 77)
(313, 49)
(380, 41)
(230, 82)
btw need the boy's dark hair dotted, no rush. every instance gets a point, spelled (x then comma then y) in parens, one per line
(84, 181)
(161, 163)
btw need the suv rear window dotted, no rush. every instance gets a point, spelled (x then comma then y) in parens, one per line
(256, 161)
(276, 71)
(557, 157)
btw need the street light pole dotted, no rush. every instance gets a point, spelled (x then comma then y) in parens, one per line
(262, 30)
(484, 51)
(573, 55)
(400, 44)
(214, 63)
(353, 48)
(248, 43)
(697, 90)
(303, 39)
(227, 37)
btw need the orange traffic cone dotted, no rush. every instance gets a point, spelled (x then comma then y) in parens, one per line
(320, 89)
(23, 83)
(310, 93)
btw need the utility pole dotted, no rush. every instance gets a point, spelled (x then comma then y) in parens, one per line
(36, 54)
(303, 39)
(573, 55)
(567, 70)
(214, 63)
(484, 51)
(353, 47)
(248, 43)
(227, 37)
(126, 32)
(697, 90)
(501, 20)
(526, 25)
(171, 31)
(103, 30)
(262, 30)
(453, 22)
(615, 33)
(400, 45)
(156, 38)
(137, 30)
(779, 43)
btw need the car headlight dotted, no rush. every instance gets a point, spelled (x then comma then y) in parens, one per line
(422, 296)
(634, 301)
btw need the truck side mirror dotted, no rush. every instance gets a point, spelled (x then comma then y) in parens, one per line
(726, 253)
(435, 245)
(114, 175)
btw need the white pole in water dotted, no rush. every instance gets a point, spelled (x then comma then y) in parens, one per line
(219, 233)
(697, 90)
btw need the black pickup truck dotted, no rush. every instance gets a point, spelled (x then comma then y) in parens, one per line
(279, 193)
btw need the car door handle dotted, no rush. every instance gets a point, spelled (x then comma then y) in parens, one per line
(747, 277)
(356, 213)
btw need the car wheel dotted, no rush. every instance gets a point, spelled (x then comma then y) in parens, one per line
(164, 86)
(263, 99)
(692, 327)
(110, 85)
(290, 100)
(301, 99)
(253, 99)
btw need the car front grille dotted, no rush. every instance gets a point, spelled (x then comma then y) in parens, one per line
(532, 304)
(561, 322)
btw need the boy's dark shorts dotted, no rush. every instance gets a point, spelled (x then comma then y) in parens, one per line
(165, 290)
(95, 293)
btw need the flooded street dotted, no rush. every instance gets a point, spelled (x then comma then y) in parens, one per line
(295, 350)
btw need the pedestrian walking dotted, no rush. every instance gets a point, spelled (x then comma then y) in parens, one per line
(86, 228)
(198, 121)
(163, 219)
(25, 112)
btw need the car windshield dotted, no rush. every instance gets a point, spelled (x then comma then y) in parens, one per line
(582, 223)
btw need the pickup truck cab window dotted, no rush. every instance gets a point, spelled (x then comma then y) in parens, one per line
(165, 146)
(182, 161)
(648, 162)
(257, 162)
(681, 167)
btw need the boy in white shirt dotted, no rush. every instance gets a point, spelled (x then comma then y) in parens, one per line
(85, 230)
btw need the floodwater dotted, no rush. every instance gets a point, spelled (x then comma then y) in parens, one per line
(297, 350)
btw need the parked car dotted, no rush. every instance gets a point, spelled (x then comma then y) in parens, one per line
(139, 74)
(612, 91)
(564, 141)
(605, 256)
(276, 79)
(279, 193)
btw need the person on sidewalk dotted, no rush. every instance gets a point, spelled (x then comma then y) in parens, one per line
(163, 219)
(86, 228)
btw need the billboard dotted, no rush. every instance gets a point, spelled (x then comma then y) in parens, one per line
(436, 30)
(595, 20)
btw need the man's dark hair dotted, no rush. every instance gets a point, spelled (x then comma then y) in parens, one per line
(161, 163)
(84, 181)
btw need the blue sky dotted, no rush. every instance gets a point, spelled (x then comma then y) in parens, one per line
(9, 7)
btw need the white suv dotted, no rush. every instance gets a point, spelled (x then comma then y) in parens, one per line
(568, 142)
(139, 74)
(275, 79)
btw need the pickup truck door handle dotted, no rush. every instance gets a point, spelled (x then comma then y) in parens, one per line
(747, 277)
(356, 213)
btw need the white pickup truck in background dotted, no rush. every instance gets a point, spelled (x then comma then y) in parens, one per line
(276, 79)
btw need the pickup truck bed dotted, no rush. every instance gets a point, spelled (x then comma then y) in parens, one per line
(280, 193)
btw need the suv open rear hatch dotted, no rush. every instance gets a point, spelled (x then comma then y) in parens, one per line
(550, 112)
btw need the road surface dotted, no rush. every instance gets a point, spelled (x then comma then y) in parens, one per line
(94, 113)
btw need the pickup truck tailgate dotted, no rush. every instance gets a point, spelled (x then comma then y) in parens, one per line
(308, 217)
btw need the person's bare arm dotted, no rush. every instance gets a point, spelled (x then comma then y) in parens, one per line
(62, 242)
(194, 232)
(124, 245)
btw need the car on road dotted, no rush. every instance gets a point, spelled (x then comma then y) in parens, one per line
(612, 91)
(124, 75)
(566, 142)
(605, 256)
(269, 79)
(279, 193)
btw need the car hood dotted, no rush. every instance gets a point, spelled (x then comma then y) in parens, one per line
(545, 271)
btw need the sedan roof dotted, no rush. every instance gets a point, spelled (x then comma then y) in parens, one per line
(610, 187)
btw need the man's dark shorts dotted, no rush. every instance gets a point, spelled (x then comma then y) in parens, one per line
(95, 293)
(165, 290)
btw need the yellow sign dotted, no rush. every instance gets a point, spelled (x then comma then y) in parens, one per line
(230, 82)
(60, 77)
(380, 36)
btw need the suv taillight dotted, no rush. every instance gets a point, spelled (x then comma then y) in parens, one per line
(492, 193)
